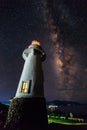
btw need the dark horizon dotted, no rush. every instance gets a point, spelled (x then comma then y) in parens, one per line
(52, 101)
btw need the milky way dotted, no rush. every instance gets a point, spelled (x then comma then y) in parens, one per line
(68, 37)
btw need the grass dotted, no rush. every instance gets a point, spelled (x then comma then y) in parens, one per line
(65, 121)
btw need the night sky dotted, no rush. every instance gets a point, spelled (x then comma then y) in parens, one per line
(61, 27)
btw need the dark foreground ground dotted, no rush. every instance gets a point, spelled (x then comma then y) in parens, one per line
(65, 127)
(52, 126)
(56, 127)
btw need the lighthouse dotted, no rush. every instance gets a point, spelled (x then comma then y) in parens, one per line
(31, 81)
(28, 107)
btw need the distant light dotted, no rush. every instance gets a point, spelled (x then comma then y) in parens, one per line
(53, 106)
(35, 42)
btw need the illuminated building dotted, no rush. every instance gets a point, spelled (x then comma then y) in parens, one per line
(31, 81)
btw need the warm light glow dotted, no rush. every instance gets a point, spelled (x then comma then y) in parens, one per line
(24, 87)
(35, 42)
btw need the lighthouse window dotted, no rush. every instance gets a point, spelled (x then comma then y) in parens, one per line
(24, 88)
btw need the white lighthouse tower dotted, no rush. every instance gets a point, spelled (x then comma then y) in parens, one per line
(28, 107)
(31, 81)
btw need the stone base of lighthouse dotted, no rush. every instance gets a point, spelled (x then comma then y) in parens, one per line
(25, 113)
